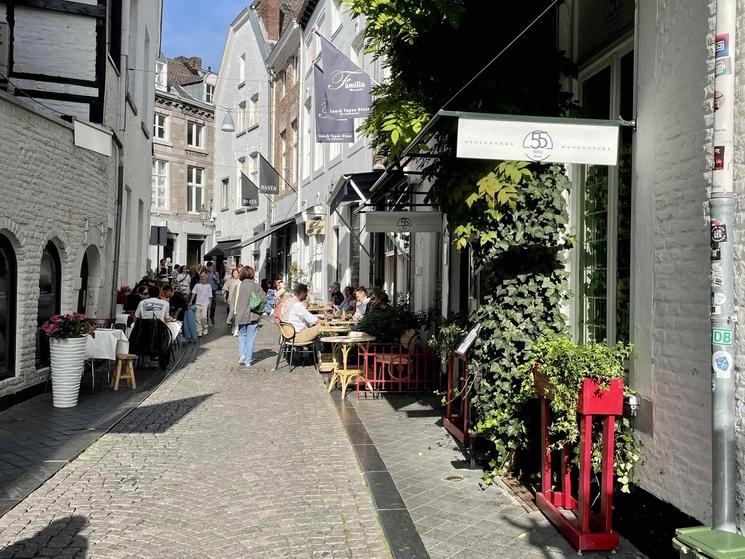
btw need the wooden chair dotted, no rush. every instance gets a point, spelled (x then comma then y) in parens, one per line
(289, 345)
(128, 360)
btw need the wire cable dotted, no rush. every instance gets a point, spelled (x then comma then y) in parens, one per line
(15, 87)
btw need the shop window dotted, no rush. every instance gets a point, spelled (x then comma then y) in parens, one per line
(50, 280)
(8, 294)
(604, 212)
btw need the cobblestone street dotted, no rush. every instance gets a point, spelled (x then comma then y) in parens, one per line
(220, 461)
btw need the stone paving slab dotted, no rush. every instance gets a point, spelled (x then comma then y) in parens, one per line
(220, 461)
(455, 517)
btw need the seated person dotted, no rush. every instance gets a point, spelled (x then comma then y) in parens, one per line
(362, 301)
(153, 307)
(380, 319)
(349, 303)
(306, 324)
(176, 301)
(335, 295)
(134, 297)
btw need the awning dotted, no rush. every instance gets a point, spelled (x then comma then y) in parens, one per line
(268, 232)
(353, 188)
(224, 248)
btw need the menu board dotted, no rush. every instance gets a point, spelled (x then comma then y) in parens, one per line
(465, 345)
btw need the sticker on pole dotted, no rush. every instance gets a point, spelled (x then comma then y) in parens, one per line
(722, 363)
(722, 336)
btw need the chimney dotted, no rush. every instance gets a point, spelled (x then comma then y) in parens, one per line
(195, 62)
(268, 11)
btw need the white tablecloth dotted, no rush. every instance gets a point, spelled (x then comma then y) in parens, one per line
(103, 344)
(122, 318)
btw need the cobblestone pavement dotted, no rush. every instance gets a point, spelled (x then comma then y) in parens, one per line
(454, 516)
(220, 461)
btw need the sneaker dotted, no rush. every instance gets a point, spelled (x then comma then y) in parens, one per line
(247, 365)
(242, 360)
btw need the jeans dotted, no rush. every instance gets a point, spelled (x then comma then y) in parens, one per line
(212, 307)
(246, 339)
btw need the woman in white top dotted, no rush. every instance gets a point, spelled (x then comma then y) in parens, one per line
(202, 295)
(228, 290)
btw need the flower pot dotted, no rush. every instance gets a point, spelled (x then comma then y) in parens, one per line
(66, 357)
(592, 399)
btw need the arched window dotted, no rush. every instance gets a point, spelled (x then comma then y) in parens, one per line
(50, 278)
(7, 308)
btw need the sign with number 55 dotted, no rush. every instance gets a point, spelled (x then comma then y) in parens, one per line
(539, 139)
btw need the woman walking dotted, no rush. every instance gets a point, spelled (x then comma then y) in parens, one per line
(202, 296)
(249, 304)
(228, 289)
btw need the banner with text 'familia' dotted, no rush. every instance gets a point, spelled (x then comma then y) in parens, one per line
(348, 87)
(329, 129)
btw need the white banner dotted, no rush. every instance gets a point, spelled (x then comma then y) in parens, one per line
(403, 222)
(540, 140)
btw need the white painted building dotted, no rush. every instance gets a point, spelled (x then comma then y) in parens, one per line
(241, 96)
(74, 215)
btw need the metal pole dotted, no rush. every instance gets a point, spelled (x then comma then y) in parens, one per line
(722, 216)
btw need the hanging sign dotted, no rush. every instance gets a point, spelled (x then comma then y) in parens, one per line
(329, 129)
(348, 87)
(403, 222)
(538, 139)
(268, 177)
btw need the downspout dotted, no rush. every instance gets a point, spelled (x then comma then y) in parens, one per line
(121, 126)
(722, 216)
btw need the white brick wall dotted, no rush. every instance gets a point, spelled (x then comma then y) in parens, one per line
(48, 189)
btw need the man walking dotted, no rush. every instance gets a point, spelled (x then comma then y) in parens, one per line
(213, 278)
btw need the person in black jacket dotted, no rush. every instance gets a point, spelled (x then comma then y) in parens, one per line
(178, 302)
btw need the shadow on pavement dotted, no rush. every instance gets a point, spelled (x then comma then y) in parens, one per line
(60, 538)
(158, 418)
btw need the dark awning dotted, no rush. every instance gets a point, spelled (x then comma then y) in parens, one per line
(352, 188)
(268, 232)
(224, 248)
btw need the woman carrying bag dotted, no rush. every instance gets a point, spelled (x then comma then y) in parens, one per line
(250, 302)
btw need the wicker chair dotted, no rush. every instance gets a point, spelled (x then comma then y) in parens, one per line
(288, 345)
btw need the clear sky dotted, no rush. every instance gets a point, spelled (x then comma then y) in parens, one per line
(198, 28)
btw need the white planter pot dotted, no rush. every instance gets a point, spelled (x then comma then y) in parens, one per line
(66, 356)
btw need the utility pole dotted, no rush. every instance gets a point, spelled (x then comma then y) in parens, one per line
(723, 317)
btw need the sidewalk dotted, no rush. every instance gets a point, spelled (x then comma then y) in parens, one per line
(454, 516)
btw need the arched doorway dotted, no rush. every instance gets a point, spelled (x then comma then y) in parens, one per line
(83, 294)
(8, 282)
(50, 280)
(90, 278)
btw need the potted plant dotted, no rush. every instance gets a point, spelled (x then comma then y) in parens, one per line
(67, 341)
(587, 378)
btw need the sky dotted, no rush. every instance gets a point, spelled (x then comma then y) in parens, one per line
(198, 28)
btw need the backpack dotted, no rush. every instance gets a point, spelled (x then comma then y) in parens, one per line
(256, 303)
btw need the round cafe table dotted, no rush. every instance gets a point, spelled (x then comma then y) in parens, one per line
(344, 344)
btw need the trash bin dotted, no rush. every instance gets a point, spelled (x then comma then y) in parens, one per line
(703, 542)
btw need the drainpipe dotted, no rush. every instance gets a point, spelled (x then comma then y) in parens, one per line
(722, 216)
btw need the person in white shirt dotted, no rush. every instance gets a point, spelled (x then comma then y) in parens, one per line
(306, 324)
(153, 307)
(202, 295)
(362, 300)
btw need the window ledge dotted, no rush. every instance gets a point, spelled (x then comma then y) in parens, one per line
(161, 142)
(242, 84)
(131, 103)
(252, 127)
(194, 149)
(145, 130)
(241, 133)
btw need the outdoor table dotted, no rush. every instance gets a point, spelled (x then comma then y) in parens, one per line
(332, 328)
(344, 344)
(174, 327)
(105, 343)
(319, 310)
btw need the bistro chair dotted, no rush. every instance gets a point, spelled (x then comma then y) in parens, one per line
(290, 346)
(100, 322)
(400, 358)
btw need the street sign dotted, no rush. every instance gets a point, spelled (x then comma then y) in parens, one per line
(537, 139)
(403, 222)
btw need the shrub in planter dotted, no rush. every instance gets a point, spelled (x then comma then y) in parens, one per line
(566, 373)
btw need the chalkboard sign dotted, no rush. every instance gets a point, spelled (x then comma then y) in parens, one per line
(465, 345)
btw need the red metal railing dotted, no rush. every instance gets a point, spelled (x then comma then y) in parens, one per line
(393, 368)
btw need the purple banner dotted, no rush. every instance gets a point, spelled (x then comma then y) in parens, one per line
(329, 129)
(347, 85)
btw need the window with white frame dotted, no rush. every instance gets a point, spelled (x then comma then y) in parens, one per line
(209, 92)
(294, 154)
(161, 76)
(308, 139)
(291, 71)
(195, 135)
(241, 117)
(239, 192)
(160, 127)
(603, 209)
(242, 68)
(336, 13)
(225, 194)
(253, 110)
(160, 184)
(283, 154)
(313, 46)
(194, 189)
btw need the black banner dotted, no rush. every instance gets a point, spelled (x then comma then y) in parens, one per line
(329, 129)
(249, 192)
(268, 177)
(347, 85)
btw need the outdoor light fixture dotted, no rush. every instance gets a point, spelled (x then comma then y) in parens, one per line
(208, 218)
(228, 125)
